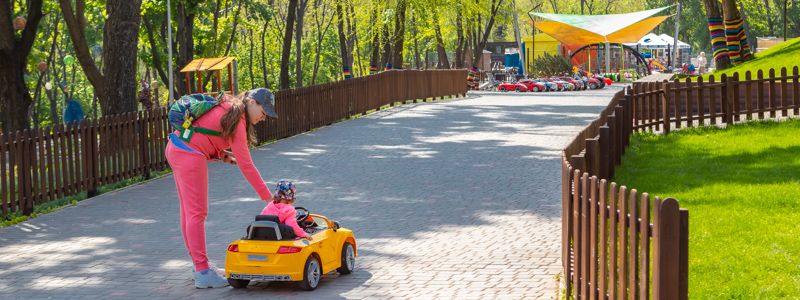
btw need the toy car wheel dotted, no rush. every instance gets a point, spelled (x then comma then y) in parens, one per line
(536, 89)
(238, 283)
(312, 273)
(502, 89)
(348, 259)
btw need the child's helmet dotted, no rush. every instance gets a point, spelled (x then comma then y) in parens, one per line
(285, 189)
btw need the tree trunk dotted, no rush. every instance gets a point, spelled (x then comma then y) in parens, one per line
(185, 43)
(154, 52)
(716, 29)
(215, 25)
(352, 43)
(770, 23)
(120, 44)
(233, 31)
(443, 62)
(346, 64)
(399, 34)
(460, 41)
(376, 42)
(15, 98)
(738, 48)
(386, 58)
(287, 45)
(264, 54)
(250, 61)
(298, 37)
(482, 42)
(417, 60)
(318, 5)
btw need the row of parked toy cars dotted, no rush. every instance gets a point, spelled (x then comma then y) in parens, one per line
(555, 83)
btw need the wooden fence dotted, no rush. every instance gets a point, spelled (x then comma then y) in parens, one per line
(662, 106)
(614, 237)
(45, 164)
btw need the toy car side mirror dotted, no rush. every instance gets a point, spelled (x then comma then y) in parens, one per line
(336, 225)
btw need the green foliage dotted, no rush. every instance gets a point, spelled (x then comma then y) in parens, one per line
(550, 65)
(257, 18)
(740, 185)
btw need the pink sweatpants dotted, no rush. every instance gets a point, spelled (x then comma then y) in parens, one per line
(190, 171)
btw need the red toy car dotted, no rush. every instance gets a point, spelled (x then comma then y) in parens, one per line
(512, 86)
(577, 83)
(533, 86)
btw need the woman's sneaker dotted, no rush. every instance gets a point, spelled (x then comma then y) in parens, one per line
(209, 279)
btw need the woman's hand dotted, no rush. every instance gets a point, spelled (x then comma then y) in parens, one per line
(227, 157)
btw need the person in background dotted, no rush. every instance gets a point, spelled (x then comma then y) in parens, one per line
(701, 63)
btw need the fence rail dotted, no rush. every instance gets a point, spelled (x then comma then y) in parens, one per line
(40, 165)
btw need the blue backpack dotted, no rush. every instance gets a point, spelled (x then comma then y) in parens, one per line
(188, 109)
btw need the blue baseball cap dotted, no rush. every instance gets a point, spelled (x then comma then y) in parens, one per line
(267, 100)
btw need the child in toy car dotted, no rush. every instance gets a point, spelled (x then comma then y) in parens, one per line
(272, 251)
(282, 206)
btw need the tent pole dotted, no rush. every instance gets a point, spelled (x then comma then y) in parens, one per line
(607, 54)
(675, 38)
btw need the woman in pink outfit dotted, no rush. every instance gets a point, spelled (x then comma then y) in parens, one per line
(282, 206)
(234, 118)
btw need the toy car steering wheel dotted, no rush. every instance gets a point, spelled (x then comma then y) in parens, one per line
(302, 214)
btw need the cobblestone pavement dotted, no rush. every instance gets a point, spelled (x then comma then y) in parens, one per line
(453, 199)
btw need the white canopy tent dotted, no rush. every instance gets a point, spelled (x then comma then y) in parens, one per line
(653, 41)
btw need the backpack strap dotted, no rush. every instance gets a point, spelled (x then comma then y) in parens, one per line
(206, 131)
(187, 133)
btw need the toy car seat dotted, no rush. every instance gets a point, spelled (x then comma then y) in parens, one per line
(269, 228)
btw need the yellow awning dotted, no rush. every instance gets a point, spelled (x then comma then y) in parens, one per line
(208, 64)
(576, 36)
(591, 29)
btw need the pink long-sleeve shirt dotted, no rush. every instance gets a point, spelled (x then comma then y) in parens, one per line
(286, 215)
(212, 146)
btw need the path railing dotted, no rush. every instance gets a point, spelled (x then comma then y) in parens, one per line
(40, 165)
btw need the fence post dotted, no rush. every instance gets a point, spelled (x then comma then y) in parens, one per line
(592, 158)
(89, 157)
(604, 151)
(683, 272)
(620, 137)
(726, 105)
(566, 223)
(735, 90)
(23, 152)
(578, 162)
(144, 153)
(627, 104)
(611, 121)
(665, 106)
(666, 237)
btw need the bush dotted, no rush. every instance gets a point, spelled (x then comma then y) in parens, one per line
(549, 65)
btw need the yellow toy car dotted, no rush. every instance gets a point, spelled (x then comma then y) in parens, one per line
(266, 254)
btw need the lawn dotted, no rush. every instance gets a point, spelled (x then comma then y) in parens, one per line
(786, 54)
(742, 188)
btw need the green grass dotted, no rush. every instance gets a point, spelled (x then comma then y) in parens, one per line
(786, 54)
(742, 188)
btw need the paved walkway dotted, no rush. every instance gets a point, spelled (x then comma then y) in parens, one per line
(454, 199)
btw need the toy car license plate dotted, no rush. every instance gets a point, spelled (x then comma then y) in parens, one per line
(257, 257)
